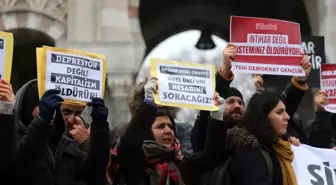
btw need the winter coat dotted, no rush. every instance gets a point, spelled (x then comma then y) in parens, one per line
(131, 159)
(46, 155)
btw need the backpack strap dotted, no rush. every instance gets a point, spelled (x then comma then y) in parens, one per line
(227, 175)
(268, 161)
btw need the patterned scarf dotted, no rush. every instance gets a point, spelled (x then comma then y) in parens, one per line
(161, 163)
(285, 156)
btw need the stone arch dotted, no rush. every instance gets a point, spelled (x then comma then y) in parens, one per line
(46, 16)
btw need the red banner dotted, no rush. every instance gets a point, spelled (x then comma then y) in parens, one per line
(328, 84)
(266, 46)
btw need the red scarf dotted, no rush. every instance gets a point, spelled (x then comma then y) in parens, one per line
(162, 158)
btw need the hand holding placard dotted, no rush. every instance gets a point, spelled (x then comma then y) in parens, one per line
(49, 102)
(151, 88)
(306, 65)
(6, 92)
(229, 54)
(99, 112)
(220, 103)
(258, 82)
(321, 100)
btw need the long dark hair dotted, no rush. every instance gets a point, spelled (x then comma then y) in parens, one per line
(256, 116)
(137, 97)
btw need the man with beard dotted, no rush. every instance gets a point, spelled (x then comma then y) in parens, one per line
(234, 108)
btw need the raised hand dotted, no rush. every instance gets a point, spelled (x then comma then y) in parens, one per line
(151, 88)
(229, 54)
(49, 102)
(220, 102)
(306, 65)
(99, 110)
(6, 92)
(321, 100)
(258, 82)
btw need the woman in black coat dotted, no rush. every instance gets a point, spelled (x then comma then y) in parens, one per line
(259, 139)
(149, 152)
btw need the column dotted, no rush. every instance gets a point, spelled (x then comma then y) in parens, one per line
(82, 16)
(113, 22)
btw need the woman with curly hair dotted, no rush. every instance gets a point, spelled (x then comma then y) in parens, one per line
(261, 157)
(148, 153)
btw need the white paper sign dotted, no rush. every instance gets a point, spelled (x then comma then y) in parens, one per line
(78, 77)
(314, 166)
(186, 85)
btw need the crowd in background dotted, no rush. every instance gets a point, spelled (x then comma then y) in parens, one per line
(46, 142)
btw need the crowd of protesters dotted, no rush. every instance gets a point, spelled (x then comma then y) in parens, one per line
(46, 142)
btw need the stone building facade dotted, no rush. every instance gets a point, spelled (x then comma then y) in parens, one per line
(111, 27)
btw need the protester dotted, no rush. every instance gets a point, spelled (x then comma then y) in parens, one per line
(319, 132)
(46, 154)
(265, 122)
(7, 131)
(149, 152)
(183, 130)
(234, 110)
(76, 127)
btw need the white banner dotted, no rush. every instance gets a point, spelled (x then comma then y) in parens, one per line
(314, 166)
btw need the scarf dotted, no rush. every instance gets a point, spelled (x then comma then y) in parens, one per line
(285, 156)
(163, 159)
(161, 163)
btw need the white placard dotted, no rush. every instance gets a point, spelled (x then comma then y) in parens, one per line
(79, 78)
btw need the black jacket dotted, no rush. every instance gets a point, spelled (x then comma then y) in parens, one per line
(8, 145)
(131, 158)
(320, 131)
(293, 97)
(248, 166)
(332, 138)
(46, 156)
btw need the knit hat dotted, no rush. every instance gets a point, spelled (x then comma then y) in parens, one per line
(30, 101)
(233, 92)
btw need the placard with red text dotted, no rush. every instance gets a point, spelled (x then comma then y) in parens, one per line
(328, 84)
(266, 46)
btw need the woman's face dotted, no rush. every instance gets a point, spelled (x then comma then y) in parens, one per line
(163, 131)
(279, 118)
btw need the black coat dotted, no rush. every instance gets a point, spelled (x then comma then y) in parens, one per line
(7, 145)
(131, 159)
(46, 156)
(249, 167)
